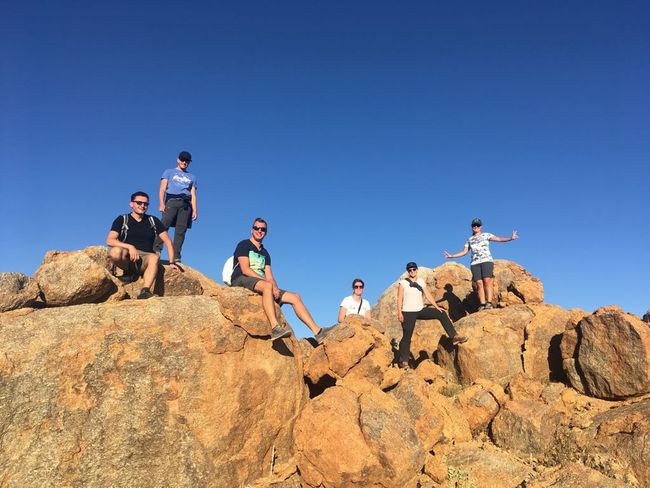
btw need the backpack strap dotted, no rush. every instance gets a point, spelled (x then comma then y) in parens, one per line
(125, 228)
(152, 223)
(360, 305)
(413, 284)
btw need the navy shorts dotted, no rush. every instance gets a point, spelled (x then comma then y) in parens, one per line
(482, 270)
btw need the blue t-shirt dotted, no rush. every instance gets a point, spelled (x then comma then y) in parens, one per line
(179, 182)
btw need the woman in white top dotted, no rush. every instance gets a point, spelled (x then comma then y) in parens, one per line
(354, 304)
(410, 307)
(481, 264)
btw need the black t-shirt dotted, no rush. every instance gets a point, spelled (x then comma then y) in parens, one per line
(140, 234)
(257, 260)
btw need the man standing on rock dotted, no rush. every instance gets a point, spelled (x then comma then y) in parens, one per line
(252, 270)
(131, 239)
(177, 201)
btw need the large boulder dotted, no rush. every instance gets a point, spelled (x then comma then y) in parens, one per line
(17, 290)
(75, 277)
(480, 403)
(607, 355)
(494, 348)
(514, 285)
(159, 392)
(357, 437)
(353, 349)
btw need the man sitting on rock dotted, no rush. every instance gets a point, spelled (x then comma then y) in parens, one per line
(131, 239)
(252, 270)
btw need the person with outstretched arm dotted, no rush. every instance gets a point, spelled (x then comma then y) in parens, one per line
(481, 264)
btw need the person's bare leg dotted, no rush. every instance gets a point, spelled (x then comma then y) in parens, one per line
(265, 289)
(487, 284)
(480, 291)
(301, 311)
(151, 271)
(119, 257)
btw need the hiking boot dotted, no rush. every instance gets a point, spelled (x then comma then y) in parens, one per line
(488, 306)
(459, 339)
(278, 332)
(127, 278)
(146, 293)
(322, 333)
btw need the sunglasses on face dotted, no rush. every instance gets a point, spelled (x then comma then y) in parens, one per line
(142, 204)
(358, 286)
(260, 229)
(412, 269)
(185, 161)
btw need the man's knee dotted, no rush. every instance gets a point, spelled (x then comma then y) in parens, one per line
(152, 260)
(291, 298)
(263, 287)
(116, 253)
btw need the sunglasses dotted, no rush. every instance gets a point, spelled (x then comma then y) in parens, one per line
(357, 286)
(411, 269)
(261, 229)
(188, 161)
(141, 203)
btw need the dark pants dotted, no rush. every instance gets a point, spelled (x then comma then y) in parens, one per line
(427, 313)
(180, 212)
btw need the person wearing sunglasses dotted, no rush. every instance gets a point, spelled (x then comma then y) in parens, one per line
(355, 304)
(410, 307)
(481, 264)
(252, 270)
(177, 201)
(131, 240)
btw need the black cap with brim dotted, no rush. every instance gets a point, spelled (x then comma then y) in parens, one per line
(185, 156)
(411, 264)
(477, 223)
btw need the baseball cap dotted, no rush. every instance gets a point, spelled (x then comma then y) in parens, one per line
(184, 155)
(411, 264)
(477, 222)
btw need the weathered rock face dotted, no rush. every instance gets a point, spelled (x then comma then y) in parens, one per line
(16, 291)
(575, 475)
(471, 465)
(349, 438)
(480, 403)
(162, 392)
(513, 285)
(542, 358)
(607, 355)
(618, 443)
(75, 277)
(354, 349)
(494, 348)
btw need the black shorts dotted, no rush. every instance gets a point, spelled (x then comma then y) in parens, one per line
(482, 270)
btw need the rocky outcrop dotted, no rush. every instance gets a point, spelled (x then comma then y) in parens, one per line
(17, 291)
(163, 392)
(188, 390)
(607, 355)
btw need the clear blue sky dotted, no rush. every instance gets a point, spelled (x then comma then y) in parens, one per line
(367, 133)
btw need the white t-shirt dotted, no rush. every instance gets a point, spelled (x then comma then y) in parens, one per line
(413, 300)
(480, 247)
(352, 307)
